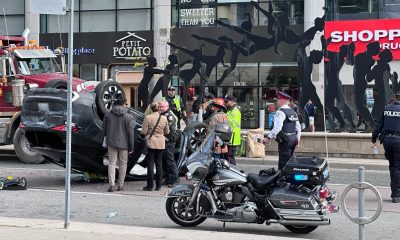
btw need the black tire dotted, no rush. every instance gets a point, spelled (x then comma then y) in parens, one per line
(22, 182)
(23, 150)
(107, 93)
(57, 83)
(175, 207)
(300, 229)
(197, 132)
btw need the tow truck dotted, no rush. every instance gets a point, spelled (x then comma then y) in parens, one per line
(25, 65)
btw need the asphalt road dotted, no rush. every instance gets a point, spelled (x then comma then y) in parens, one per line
(90, 203)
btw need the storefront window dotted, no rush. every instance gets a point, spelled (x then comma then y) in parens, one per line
(97, 4)
(88, 72)
(130, 4)
(57, 23)
(141, 18)
(14, 13)
(102, 21)
(235, 14)
(244, 74)
(353, 9)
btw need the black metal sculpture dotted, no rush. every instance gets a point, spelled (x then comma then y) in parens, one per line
(362, 66)
(143, 89)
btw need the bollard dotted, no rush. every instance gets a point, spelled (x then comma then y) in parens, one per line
(361, 220)
(361, 214)
(262, 119)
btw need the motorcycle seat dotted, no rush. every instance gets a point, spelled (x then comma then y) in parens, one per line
(261, 182)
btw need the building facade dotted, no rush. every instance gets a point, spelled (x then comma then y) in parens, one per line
(117, 34)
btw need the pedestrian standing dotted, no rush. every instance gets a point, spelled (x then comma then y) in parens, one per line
(234, 119)
(310, 110)
(168, 160)
(286, 129)
(118, 128)
(388, 130)
(155, 127)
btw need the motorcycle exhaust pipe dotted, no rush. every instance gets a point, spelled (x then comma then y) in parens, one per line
(300, 222)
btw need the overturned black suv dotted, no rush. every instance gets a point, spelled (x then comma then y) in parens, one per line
(43, 120)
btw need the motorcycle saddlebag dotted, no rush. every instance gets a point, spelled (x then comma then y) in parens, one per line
(307, 170)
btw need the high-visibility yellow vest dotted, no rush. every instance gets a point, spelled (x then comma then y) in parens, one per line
(177, 101)
(234, 119)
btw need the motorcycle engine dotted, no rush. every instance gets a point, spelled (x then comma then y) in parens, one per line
(244, 213)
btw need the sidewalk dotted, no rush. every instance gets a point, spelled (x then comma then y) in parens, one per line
(344, 163)
(41, 229)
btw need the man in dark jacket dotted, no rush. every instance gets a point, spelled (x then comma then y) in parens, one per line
(118, 131)
(168, 160)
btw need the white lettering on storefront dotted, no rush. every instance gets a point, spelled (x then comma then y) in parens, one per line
(364, 35)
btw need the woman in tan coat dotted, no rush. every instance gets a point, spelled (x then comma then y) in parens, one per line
(154, 134)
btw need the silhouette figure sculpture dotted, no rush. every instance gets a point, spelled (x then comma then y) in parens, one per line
(305, 67)
(334, 87)
(278, 26)
(188, 74)
(381, 74)
(143, 89)
(253, 43)
(362, 66)
(162, 84)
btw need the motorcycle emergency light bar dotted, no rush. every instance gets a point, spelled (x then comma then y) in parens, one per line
(300, 177)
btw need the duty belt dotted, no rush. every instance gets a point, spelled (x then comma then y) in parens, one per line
(393, 135)
(290, 134)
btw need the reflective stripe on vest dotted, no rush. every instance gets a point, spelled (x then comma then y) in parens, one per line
(234, 119)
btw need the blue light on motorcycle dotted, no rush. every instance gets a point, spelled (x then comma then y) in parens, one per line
(300, 177)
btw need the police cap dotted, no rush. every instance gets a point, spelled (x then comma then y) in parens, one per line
(284, 96)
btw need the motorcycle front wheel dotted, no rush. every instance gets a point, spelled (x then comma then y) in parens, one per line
(300, 229)
(179, 213)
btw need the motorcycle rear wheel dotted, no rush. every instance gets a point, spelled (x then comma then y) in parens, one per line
(176, 210)
(300, 228)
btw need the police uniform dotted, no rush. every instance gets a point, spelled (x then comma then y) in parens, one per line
(286, 131)
(169, 164)
(388, 130)
(176, 106)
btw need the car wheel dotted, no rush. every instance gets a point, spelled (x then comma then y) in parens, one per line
(197, 132)
(1, 184)
(107, 93)
(23, 150)
(57, 83)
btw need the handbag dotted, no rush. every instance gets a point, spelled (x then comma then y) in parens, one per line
(144, 148)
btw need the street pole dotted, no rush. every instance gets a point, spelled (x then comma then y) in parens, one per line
(361, 214)
(69, 115)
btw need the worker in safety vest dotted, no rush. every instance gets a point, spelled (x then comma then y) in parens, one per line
(234, 119)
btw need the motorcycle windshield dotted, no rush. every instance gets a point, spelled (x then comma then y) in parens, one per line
(203, 153)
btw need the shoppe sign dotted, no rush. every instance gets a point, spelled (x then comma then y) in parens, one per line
(104, 47)
(197, 13)
(362, 32)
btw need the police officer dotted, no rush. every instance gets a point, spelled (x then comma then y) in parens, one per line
(169, 164)
(176, 105)
(286, 129)
(234, 119)
(388, 130)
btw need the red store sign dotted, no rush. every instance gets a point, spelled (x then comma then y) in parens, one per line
(362, 32)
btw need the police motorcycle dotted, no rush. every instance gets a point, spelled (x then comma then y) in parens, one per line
(296, 197)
